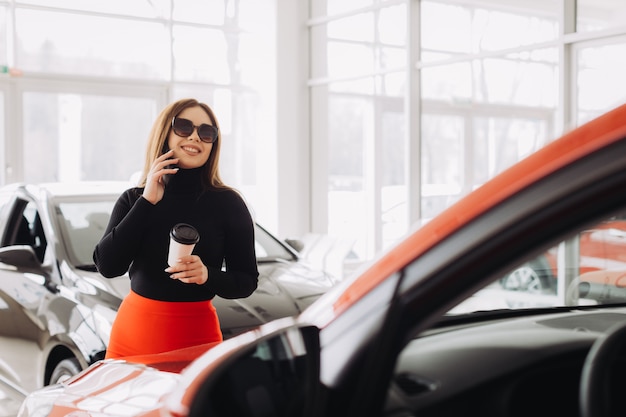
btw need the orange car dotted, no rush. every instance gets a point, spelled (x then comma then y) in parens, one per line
(425, 328)
(600, 248)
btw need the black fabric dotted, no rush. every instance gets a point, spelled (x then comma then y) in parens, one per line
(137, 240)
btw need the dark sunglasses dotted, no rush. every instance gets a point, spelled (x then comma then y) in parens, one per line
(184, 128)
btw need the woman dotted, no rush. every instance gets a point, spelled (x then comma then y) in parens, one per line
(169, 307)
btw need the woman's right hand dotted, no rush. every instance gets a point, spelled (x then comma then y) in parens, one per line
(155, 184)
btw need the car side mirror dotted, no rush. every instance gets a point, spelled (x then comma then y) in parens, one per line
(274, 376)
(22, 257)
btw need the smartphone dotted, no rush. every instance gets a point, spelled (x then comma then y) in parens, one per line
(166, 177)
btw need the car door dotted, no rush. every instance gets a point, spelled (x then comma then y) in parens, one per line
(22, 290)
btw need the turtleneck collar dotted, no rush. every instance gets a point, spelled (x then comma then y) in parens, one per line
(185, 181)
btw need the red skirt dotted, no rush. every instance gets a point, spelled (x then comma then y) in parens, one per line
(145, 326)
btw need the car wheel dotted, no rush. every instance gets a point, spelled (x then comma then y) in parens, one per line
(64, 370)
(524, 278)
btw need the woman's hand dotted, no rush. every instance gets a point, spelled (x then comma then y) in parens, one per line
(155, 185)
(189, 269)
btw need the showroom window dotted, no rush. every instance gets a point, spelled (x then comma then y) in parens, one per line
(359, 71)
(493, 81)
(601, 69)
(87, 80)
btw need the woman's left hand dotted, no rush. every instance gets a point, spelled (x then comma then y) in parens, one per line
(189, 269)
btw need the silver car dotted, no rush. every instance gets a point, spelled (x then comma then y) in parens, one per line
(56, 310)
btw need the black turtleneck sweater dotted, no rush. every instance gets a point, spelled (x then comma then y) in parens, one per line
(137, 240)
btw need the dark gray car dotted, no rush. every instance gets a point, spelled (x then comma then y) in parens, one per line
(56, 310)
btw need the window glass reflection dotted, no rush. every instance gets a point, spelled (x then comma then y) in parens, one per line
(588, 269)
(600, 77)
(454, 29)
(95, 45)
(194, 62)
(592, 15)
(140, 8)
(499, 142)
(214, 12)
(67, 136)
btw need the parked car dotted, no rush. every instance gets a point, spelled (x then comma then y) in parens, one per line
(421, 330)
(597, 249)
(56, 310)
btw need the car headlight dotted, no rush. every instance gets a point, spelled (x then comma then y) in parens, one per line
(40, 402)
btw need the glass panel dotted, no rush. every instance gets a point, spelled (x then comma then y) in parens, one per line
(93, 45)
(442, 162)
(597, 15)
(392, 23)
(516, 81)
(394, 192)
(214, 12)
(600, 79)
(71, 137)
(349, 59)
(331, 7)
(501, 142)
(141, 8)
(444, 28)
(393, 85)
(588, 269)
(350, 122)
(459, 29)
(193, 61)
(358, 28)
(447, 82)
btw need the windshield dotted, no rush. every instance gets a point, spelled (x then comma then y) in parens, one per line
(84, 221)
(587, 269)
(82, 226)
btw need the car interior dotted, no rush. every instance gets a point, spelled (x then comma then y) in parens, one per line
(515, 351)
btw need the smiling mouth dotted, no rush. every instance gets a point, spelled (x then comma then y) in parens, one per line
(190, 149)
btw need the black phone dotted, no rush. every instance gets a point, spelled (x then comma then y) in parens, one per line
(166, 177)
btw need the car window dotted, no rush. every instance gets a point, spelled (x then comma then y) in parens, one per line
(587, 269)
(25, 228)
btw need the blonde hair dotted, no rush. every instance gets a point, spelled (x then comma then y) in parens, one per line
(157, 143)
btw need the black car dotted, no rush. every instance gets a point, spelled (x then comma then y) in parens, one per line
(56, 310)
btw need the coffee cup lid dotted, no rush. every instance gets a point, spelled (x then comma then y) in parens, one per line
(185, 234)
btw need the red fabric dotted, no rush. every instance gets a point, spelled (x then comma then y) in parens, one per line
(144, 326)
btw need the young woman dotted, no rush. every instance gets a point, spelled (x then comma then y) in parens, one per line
(169, 307)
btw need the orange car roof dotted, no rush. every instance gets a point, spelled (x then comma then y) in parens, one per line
(572, 146)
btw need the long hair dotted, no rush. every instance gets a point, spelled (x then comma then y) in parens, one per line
(157, 143)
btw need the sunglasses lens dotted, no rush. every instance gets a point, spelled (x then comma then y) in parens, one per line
(207, 133)
(182, 127)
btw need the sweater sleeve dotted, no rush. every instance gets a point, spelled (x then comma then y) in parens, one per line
(239, 276)
(117, 248)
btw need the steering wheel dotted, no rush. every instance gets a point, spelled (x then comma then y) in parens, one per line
(595, 381)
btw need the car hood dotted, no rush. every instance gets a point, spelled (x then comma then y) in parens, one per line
(147, 385)
(131, 390)
(285, 289)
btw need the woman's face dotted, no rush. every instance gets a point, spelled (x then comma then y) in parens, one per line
(191, 151)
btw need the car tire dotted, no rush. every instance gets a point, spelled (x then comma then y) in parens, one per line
(64, 370)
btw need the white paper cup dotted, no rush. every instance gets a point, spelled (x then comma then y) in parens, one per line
(183, 238)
